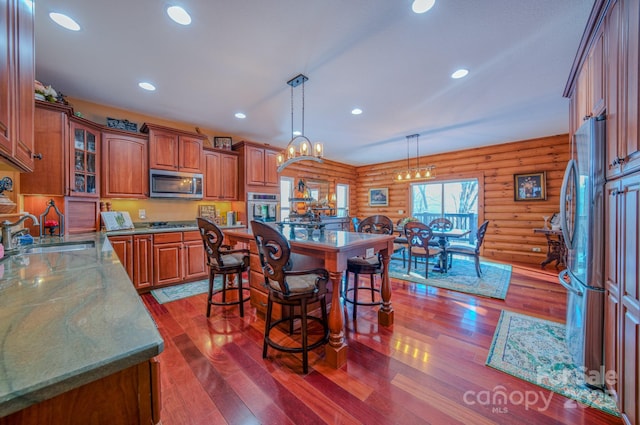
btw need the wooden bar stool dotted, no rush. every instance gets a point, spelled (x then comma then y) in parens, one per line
(225, 261)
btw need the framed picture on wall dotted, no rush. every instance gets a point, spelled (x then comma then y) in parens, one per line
(379, 197)
(530, 187)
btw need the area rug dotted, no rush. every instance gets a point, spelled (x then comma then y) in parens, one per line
(535, 350)
(177, 292)
(461, 277)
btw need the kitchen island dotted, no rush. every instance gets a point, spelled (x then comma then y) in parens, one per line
(78, 344)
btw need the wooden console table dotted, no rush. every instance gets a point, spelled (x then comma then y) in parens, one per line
(556, 249)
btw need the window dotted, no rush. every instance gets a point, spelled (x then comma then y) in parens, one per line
(286, 192)
(454, 200)
(342, 200)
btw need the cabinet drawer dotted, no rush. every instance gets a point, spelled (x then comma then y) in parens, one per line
(167, 237)
(256, 281)
(191, 235)
(259, 301)
(254, 263)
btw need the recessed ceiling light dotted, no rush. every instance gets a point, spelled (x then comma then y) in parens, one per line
(179, 15)
(297, 133)
(64, 21)
(460, 73)
(240, 115)
(356, 111)
(147, 86)
(421, 6)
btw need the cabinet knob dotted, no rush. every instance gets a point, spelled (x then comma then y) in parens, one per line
(37, 156)
(586, 117)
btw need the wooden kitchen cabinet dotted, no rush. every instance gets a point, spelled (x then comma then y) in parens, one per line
(220, 175)
(142, 261)
(167, 258)
(84, 176)
(51, 129)
(123, 247)
(195, 262)
(17, 71)
(174, 150)
(623, 111)
(622, 283)
(125, 169)
(258, 167)
(127, 397)
(614, 27)
(70, 148)
(178, 257)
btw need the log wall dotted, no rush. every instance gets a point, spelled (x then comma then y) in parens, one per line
(510, 234)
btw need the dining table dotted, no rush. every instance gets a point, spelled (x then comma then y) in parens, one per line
(444, 236)
(334, 248)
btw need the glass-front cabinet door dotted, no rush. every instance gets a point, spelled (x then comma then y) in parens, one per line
(84, 160)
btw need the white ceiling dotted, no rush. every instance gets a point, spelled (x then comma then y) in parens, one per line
(374, 54)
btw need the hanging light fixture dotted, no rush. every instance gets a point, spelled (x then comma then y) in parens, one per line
(416, 173)
(300, 147)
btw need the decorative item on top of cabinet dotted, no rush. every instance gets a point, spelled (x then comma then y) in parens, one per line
(220, 175)
(174, 150)
(125, 170)
(17, 72)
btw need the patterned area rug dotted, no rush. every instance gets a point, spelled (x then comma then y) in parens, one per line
(177, 292)
(535, 350)
(461, 277)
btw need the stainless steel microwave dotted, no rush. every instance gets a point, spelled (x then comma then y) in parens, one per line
(173, 184)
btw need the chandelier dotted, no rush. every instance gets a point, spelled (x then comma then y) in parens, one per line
(300, 147)
(416, 173)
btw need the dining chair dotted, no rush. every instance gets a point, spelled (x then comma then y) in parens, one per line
(470, 250)
(418, 236)
(292, 288)
(439, 224)
(223, 260)
(371, 266)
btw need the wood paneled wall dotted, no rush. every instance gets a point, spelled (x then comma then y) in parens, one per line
(510, 234)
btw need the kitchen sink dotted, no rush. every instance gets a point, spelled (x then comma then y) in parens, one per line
(64, 247)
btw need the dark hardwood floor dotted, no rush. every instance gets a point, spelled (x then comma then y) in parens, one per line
(428, 368)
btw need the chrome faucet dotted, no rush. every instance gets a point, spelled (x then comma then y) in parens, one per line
(7, 235)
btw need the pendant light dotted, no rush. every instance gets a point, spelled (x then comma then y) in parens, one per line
(300, 147)
(415, 173)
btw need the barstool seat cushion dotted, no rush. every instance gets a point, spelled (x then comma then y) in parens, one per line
(302, 284)
(361, 261)
(231, 260)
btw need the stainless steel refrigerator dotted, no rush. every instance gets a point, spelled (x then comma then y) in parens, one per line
(582, 222)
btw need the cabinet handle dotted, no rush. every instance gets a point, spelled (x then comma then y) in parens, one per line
(586, 117)
(618, 161)
(615, 192)
(37, 156)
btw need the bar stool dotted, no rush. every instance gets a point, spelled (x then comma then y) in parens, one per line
(290, 287)
(225, 261)
(371, 266)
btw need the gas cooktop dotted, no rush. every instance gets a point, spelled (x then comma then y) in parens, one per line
(167, 225)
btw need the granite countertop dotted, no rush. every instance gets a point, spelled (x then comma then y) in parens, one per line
(176, 226)
(66, 319)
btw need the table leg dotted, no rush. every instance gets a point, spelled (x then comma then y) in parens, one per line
(336, 350)
(442, 265)
(385, 314)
